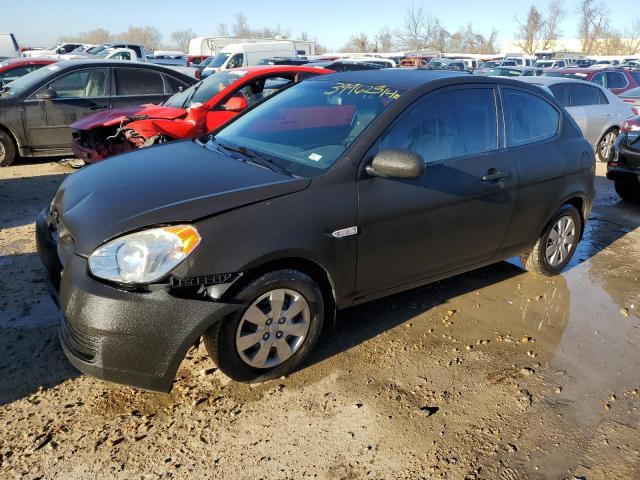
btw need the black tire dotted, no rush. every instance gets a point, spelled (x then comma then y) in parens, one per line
(536, 260)
(7, 149)
(628, 189)
(220, 340)
(599, 154)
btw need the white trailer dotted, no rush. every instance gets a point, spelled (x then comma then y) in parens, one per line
(211, 46)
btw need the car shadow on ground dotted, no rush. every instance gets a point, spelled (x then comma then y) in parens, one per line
(30, 353)
(22, 198)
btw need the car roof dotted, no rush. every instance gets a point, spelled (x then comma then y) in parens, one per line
(261, 69)
(554, 80)
(404, 79)
(68, 64)
(27, 60)
(587, 70)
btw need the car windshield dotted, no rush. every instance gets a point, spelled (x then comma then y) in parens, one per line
(104, 53)
(490, 64)
(205, 62)
(634, 92)
(306, 128)
(503, 72)
(96, 50)
(30, 80)
(219, 59)
(543, 64)
(204, 90)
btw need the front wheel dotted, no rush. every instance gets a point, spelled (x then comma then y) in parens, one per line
(7, 150)
(275, 333)
(557, 244)
(605, 150)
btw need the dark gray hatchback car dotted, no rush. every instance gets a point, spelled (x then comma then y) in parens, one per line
(339, 190)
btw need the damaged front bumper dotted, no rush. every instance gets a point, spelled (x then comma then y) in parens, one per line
(136, 338)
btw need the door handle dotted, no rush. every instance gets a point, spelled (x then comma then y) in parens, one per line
(608, 115)
(97, 107)
(494, 175)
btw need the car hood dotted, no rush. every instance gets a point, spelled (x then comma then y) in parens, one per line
(171, 183)
(114, 117)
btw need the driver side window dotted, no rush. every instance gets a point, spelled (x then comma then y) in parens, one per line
(599, 79)
(236, 61)
(453, 124)
(80, 84)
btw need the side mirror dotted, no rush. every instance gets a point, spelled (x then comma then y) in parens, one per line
(397, 164)
(46, 94)
(235, 104)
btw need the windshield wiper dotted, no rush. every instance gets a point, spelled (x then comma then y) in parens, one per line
(257, 158)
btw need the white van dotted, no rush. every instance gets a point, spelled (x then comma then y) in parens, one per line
(237, 55)
(8, 46)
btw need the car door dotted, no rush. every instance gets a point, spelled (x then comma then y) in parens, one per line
(592, 111)
(533, 124)
(77, 94)
(457, 213)
(137, 86)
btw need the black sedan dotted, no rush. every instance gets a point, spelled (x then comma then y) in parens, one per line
(37, 109)
(624, 168)
(338, 190)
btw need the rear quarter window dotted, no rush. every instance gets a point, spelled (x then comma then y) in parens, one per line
(173, 85)
(529, 118)
(137, 81)
(584, 95)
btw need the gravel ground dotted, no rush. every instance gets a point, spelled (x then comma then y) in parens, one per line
(495, 374)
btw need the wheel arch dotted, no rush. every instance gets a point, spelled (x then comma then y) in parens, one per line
(13, 137)
(315, 270)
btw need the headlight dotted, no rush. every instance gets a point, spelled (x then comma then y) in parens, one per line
(144, 257)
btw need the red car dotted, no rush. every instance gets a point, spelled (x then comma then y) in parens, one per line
(17, 67)
(199, 109)
(617, 80)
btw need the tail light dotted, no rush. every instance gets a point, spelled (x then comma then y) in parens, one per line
(631, 125)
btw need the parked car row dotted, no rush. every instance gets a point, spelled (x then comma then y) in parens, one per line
(37, 109)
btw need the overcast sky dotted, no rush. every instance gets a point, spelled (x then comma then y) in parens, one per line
(40, 23)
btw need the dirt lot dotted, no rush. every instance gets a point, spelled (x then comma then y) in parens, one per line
(495, 374)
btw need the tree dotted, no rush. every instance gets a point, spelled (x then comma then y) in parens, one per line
(358, 43)
(551, 29)
(150, 37)
(412, 34)
(538, 31)
(529, 31)
(222, 30)
(384, 39)
(241, 27)
(594, 24)
(632, 38)
(182, 38)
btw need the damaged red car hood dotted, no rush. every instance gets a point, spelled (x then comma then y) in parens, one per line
(114, 117)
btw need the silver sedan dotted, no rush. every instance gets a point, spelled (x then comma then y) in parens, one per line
(597, 111)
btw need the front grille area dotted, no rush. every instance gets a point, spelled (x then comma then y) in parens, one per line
(203, 280)
(82, 345)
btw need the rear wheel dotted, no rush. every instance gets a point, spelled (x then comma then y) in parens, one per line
(628, 189)
(605, 150)
(275, 333)
(557, 244)
(7, 150)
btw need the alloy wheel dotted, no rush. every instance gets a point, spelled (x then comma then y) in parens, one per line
(273, 328)
(3, 152)
(606, 145)
(561, 241)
